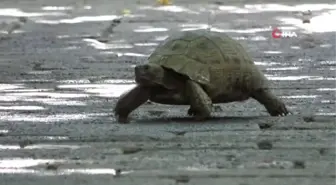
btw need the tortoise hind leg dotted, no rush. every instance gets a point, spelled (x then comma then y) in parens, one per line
(200, 102)
(273, 104)
(129, 101)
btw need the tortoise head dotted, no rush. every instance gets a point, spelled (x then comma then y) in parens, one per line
(149, 74)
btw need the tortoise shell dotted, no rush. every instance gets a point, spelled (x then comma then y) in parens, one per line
(192, 53)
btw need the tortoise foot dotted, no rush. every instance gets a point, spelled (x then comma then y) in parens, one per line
(123, 119)
(277, 108)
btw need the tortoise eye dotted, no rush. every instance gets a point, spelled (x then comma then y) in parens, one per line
(146, 67)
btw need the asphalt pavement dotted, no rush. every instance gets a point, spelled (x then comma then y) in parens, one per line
(60, 79)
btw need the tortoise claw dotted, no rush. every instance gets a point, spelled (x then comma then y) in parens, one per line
(197, 117)
(279, 109)
(121, 118)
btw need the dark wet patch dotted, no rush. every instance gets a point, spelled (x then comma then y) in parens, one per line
(299, 164)
(190, 120)
(309, 118)
(178, 133)
(131, 150)
(265, 145)
(25, 143)
(50, 166)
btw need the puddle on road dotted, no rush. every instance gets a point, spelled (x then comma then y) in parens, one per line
(40, 72)
(258, 8)
(328, 101)
(41, 146)
(51, 146)
(20, 165)
(54, 8)
(86, 83)
(282, 68)
(169, 8)
(50, 118)
(252, 30)
(146, 30)
(161, 38)
(214, 29)
(326, 89)
(14, 12)
(25, 90)
(92, 171)
(18, 171)
(300, 96)
(328, 62)
(4, 131)
(195, 27)
(325, 114)
(80, 19)
(292, 78)
(319, 24)
(100, 45)
(56, 101)
(267, 63)
(10, 86)
(70, 48)
(120, 54)
(272, 52)
(24, 163)
(107, 47)
(21, 108)
(9, 147)
(104, 90)
(9, 98)
(253, 38)
(47, 94)
(146, 44)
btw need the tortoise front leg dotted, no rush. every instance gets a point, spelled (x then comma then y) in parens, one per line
(273, 104)
(129, 101)
(200, 102)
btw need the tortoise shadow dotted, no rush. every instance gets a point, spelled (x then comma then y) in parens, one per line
(190, 120)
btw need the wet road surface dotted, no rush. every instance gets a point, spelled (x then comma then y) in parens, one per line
(59, 84)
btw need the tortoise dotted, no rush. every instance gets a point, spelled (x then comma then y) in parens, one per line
(198, 68)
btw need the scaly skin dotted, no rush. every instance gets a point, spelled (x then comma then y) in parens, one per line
(148, 78)
(129, 101)
(200, 102)
(273, 105)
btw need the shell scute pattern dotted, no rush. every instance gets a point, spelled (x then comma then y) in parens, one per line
(196, 54)
(187, 66)
(204, 51)
(233, 50)
(172, 47)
